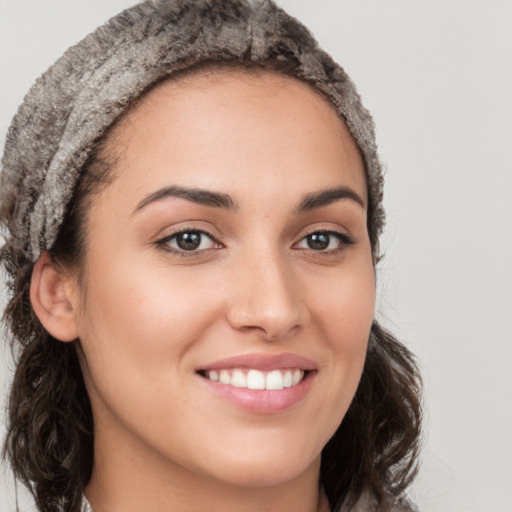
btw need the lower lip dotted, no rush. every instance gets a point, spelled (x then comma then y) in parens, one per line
(262, 401)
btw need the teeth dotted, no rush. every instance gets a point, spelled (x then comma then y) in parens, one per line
(256, 379)
(224, 377)
(238, 379)
(274, 380)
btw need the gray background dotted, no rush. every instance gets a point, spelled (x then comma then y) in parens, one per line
(437, 76)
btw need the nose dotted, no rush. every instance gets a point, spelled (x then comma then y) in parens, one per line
(267, 299)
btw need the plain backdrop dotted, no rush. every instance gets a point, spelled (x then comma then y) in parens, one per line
(437, 76)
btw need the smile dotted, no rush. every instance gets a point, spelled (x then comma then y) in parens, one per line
(256, 379)
(260, 383)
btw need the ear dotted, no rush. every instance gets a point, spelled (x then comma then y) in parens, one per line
(52, 299)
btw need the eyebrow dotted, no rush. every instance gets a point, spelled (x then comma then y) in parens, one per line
(196, 195)
(311, 201)
(326, 197)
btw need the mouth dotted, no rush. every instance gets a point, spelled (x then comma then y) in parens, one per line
(273, 380)
(260, 383)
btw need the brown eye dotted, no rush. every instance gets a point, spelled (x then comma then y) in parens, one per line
(318, 241)
(189, 241)
(325, 241)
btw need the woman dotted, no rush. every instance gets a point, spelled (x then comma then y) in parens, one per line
(193, 201)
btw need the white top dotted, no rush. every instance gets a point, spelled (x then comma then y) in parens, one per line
(86, 507)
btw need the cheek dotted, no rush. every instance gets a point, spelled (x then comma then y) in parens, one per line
(145, 311)
(343, 313)
(344, 305)
(139, 322)
(140, 335)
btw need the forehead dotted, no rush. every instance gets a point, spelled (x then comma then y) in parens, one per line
(225, 122)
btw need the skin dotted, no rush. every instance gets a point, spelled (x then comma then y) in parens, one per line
(148, 315)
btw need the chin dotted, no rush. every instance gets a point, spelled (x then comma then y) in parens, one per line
(272, 470)
(261, 477)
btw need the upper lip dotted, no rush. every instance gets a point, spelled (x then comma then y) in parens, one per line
(262, 362)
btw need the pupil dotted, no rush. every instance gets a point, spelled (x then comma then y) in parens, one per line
(318, 241)
(189, 241)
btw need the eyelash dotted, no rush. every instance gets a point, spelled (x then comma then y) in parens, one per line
(343, 239)
(163, 243)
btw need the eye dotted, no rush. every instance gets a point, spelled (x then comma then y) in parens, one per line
(189, 241)
(325, 241)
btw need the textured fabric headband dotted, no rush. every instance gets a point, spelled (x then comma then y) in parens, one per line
(94, 82)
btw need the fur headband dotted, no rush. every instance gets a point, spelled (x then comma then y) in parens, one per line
(94, 82)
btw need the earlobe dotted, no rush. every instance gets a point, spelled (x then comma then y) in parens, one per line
(51, 300)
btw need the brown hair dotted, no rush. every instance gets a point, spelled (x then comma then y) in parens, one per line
(50, 433)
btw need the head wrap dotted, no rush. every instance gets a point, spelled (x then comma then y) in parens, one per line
(71, 105)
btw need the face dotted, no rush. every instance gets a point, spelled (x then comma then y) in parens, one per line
(229, 288)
